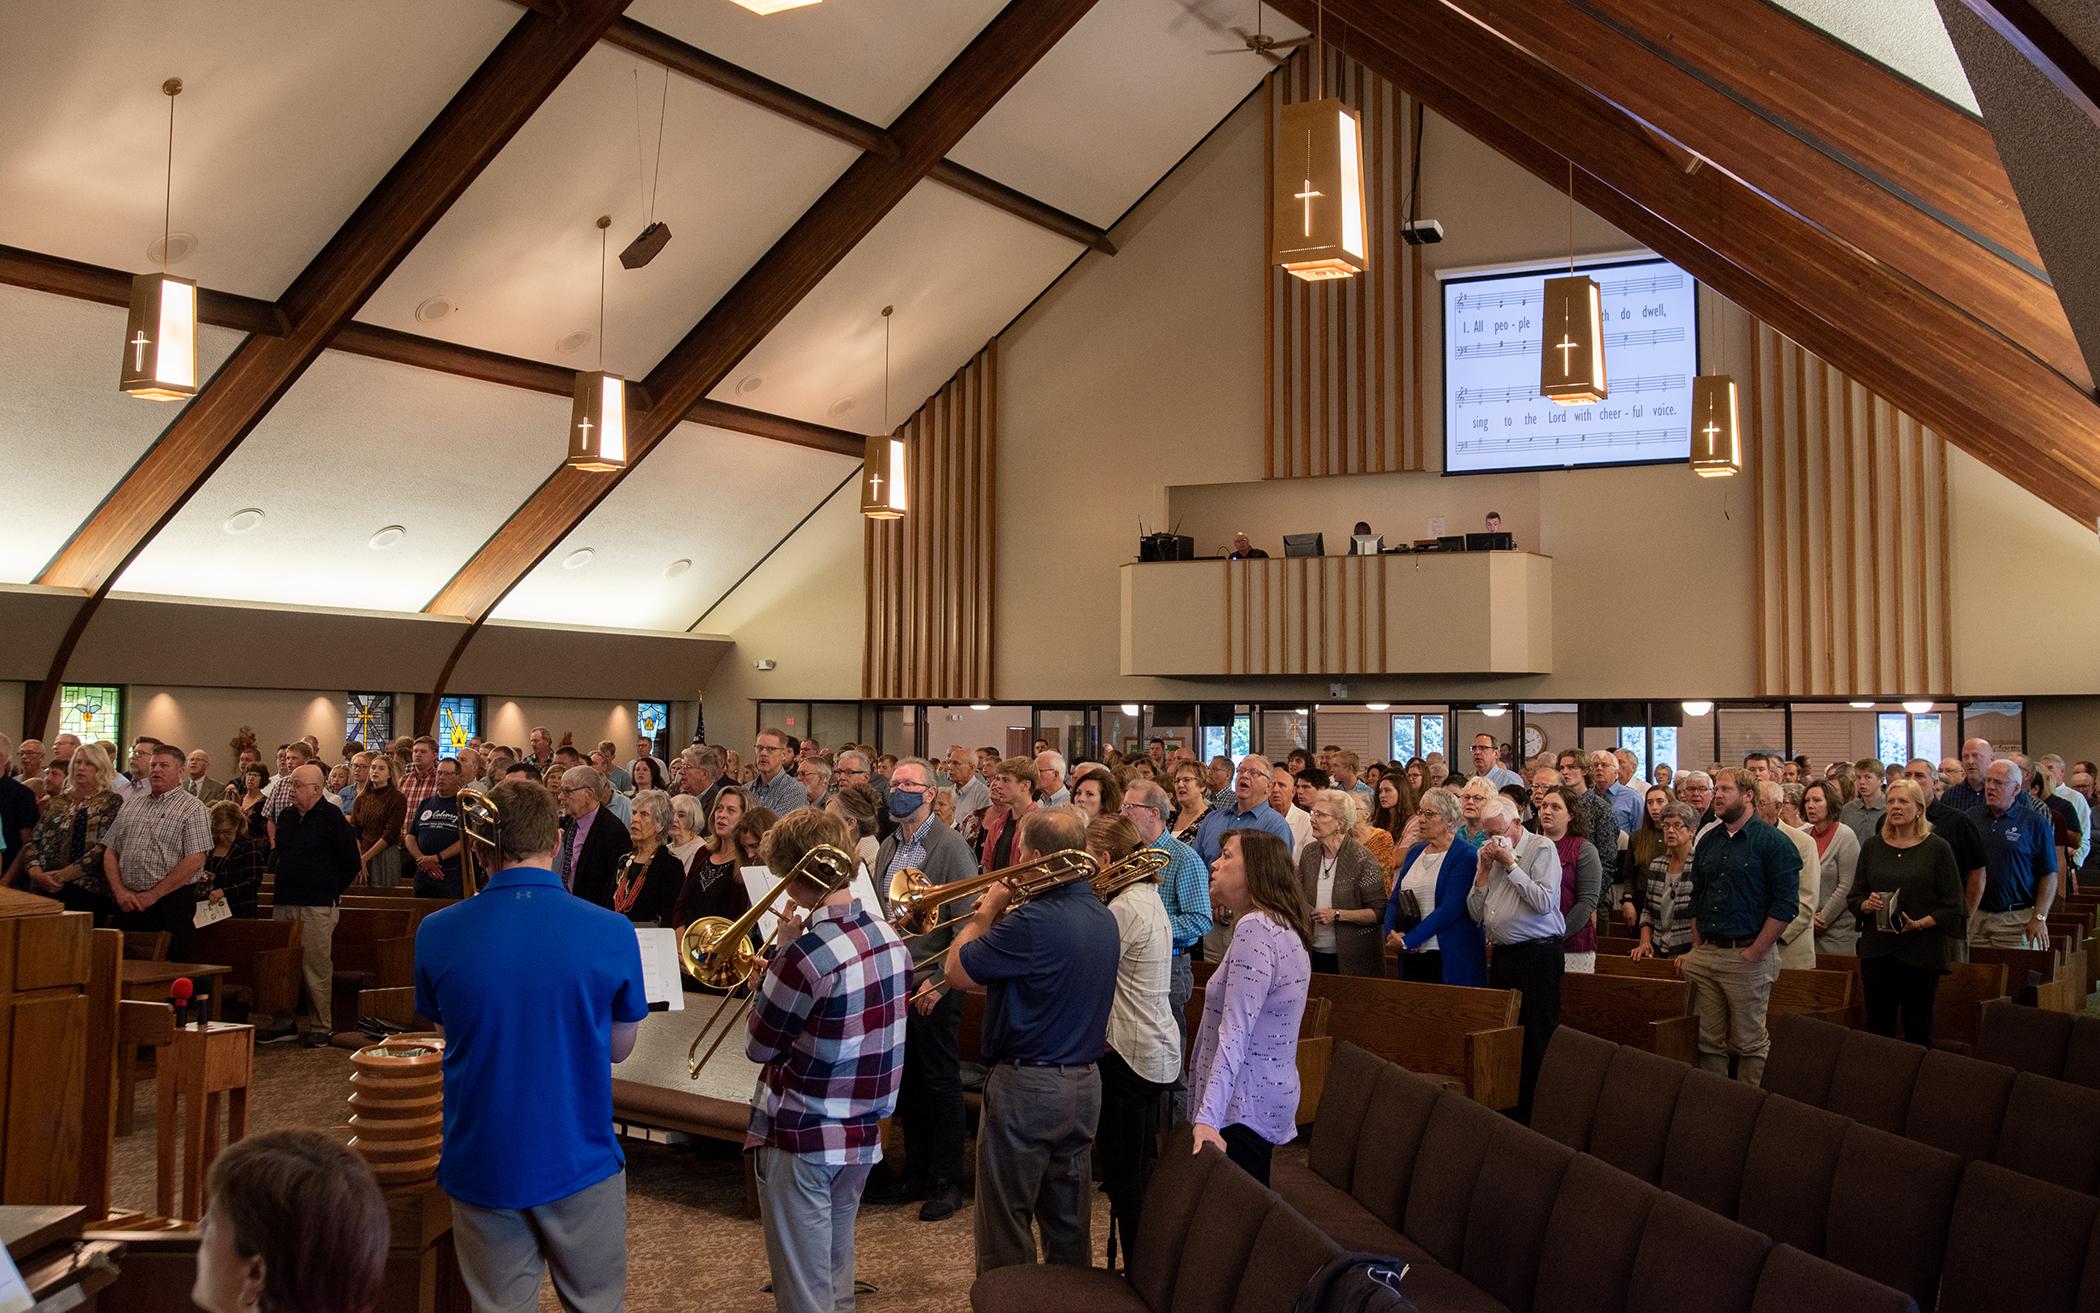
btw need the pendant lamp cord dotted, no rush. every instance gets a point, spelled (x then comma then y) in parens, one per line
(603, 224)
(1320, 52)
(886, 368)
(1571, 215)
(167, 198)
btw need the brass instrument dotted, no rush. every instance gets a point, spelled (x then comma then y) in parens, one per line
(718, 952)
(914, 899)
(1140, 866)
(478, 819)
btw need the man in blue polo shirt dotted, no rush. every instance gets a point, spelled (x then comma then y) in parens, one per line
(1249, 810)
(2019, 864)
(538, 993)
(1051, 972)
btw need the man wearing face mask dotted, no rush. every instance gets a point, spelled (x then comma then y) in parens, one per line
(930, 1102)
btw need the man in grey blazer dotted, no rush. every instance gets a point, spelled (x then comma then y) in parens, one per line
(197, 780)
(930, 1103)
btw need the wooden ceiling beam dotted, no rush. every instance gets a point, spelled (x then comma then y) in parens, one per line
(1919, 146)
(1908, 346)
(1023, 32)
(517, 76)
(92, 282)
(1795, 173)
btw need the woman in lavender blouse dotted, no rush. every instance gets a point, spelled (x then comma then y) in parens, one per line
(1243, 1066)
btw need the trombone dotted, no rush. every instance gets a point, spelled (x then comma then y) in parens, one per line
(913, 899)
(718, 953)
(479, 817)
(1142, 865)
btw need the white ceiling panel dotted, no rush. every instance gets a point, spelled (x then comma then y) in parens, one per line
(870, 58)
(517, 256)
(957, 271)
(1906, 35)
(355, 446)
(1115, 104)
(69, 433)
(716, 499)
(291, 112)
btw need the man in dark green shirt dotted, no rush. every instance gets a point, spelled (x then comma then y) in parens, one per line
(1746, 878)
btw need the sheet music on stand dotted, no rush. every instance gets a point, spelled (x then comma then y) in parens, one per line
(660, 973)
(759, 881)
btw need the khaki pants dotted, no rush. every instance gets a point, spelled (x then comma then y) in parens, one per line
(2001, 929)
(1729, 997)
(316, 958)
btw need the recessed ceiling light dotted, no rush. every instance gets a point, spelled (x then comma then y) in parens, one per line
(1299, 712)
(678, 567)
(841, 406)
(243, 520)
(763, 7)
(180, 246)
(750, 383)
(1861, 706)
(387, 537)
(1918, 707)
(434, 309)
(980, 706)
(1376, 706)
(1130, 708)
(577, 559)
(574, 342)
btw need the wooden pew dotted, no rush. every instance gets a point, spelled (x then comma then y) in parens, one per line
(372, 950)
(1826, 995)
(2037, 977)
(2072, 923)
(1616, 945)
(1648, 1013)
(1957, 1009)
(265, 959)
(1315, 1049)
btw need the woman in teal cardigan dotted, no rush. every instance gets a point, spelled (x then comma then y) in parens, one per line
(1460, 955)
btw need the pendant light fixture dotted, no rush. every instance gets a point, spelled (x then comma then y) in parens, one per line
(882, 466)
(160, 332)
(1571, 361)
(598, 417)
(1717, 432)
(763, 7)
(1317, 218)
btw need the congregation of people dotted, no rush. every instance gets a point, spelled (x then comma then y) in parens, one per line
(1509, 874)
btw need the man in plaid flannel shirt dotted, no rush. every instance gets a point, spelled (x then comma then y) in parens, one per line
(827, 1028)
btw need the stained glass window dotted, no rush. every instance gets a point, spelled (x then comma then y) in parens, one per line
(1403, 736)
(1432, 734)
(652, 721)
(91, 711)
(459, 719)
(369, 718)
(1666, 746)
(1242, 736)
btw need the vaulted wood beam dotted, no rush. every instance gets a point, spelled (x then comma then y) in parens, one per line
(522, 71)
(88, 282)
(870, 188)
(1629, 71)
(713, 71)
(1906, 345)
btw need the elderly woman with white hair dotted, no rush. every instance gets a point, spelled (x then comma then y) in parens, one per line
(687, 821)
(650, 878)
(1344, 889)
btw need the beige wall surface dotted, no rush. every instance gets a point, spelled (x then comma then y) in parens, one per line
(801, 609)
(2026, 609)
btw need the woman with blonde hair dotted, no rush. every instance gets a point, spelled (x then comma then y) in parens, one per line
(65, 848)
(1907, 899)
(1343, 889)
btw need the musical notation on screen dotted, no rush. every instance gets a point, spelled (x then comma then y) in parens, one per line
(1608, 287)
(1474, 396)
(1529, 441)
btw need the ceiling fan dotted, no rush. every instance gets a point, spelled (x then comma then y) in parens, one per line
(1261, 43)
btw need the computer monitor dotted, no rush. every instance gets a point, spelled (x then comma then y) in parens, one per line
(1304, 544)
(1366, 544)
(1491, 542)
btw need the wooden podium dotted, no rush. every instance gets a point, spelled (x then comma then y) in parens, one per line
(206, 1070)
(44, 1045)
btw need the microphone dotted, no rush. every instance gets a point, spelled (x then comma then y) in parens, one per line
(179, 992)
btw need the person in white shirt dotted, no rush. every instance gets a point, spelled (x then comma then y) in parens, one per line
(1797, 943)
(1282, 802)
(2053, 769)
(1516, 900)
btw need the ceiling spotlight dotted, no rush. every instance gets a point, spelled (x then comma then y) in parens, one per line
(577, 559)
(678, 567)
(1918, 708)
(763, 7)
(749, 384)
(434, 308)
(242, 521)
(571, 343)
(1698, 708)
(387, 537)
(172, 249)
(841, 406)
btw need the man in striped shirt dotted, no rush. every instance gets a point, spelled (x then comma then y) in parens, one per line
(827, 1028)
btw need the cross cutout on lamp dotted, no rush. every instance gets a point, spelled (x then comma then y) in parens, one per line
(1308, 196)
(584, 426)
(875, 486)
(1565, 346)
(138, 350)
(1711, 430)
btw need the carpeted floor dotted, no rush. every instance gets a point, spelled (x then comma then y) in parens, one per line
(689, 1243)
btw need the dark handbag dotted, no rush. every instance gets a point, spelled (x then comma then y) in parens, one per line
(1407, 911)
(1356, 1283)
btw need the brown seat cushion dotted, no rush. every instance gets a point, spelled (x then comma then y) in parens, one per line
(1335, 1212)
(1053, 1288)
(1287, 1251)
(1889, 1205)
(1786, 1179)
(1959, 1105)
(1873, 1079)
(1506, 1230)
(1803, 1059)
(1710, 1140)
(1570, 1079)
(1634, 1109)
(1180, 1186)
(1794, 1282)
(1352, 1078)
(1440, 1197)
(2052, 1131)
(1434, 1289)
(1592, 1239)
(1694, 1261)
(1214, 1255)
(2015, 1243)
(1392, 1134)
(2024, 1038)
(2082, 1054)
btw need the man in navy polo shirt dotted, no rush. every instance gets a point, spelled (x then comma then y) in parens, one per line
(1051, 969)
(2019, 864)
(538, 993)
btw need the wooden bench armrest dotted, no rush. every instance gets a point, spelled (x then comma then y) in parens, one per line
(1314, 1055)
(394, 963)
(141, 1021)
(396, 1005)
(1676, 1038)
(1495, 1066)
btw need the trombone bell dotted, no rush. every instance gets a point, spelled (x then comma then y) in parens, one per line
(711, 956)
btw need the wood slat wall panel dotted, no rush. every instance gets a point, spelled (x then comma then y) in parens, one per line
(927, 596)
(1851, 531)
(1344, 357)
